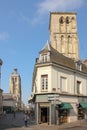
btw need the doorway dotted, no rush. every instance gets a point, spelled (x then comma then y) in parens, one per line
(44, 114)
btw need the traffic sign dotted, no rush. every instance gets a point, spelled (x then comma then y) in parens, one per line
(54, 97)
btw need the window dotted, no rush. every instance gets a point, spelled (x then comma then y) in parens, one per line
(44, 82)
(78, 87)
(61, 20)
(73, 18)
(69, 44)
(14, 79)
(79, 67)
(67, 20)
(62, 44)
(63, 84)
(44, 58)
(62, 38)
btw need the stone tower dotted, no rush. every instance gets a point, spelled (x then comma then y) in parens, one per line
(63, 34)
(15, 87)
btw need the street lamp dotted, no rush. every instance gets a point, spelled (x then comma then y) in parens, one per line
(0, 71)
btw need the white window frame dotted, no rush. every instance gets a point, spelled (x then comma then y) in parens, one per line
(44, 57)
(44, 82)
(63, 84)
(79, 66)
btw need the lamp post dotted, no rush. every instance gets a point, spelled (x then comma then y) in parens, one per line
(0, 71)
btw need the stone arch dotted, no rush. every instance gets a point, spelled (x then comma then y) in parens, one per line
(73, 23)
(61, 24)
(61, 20)
(67, 20)
(62, 44)
(69, 44)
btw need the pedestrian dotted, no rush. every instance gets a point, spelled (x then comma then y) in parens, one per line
(14, 114)
(4, 113)
(26, 119)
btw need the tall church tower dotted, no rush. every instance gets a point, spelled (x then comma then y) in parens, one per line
(15, 87)
(63, 34)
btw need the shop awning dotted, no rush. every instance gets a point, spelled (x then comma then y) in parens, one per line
(66, 105)
(83, 104)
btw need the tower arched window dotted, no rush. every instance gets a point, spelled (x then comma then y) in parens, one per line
(61, 20)
(62, 37)
(69, 39)
(73, 18)
(69, 44)
(67, 20)
(62, 44)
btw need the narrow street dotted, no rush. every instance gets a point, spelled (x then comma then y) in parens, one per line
(8, 122)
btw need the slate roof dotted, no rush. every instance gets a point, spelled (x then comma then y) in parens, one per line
(7, 97)
(58, 58)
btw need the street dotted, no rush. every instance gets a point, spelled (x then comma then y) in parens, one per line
(9, 122)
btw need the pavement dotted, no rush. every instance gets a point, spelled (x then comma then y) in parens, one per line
(8, 122)
(75, 125)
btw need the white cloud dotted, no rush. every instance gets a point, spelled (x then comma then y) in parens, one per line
(58, 5)
(4, 36)
(46, 6)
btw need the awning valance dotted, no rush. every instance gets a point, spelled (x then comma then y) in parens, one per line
(83, 104)
(66, 105)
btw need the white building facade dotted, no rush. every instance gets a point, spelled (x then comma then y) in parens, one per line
(59, 86)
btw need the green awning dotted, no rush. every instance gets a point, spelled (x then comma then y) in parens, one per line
(66, 105)
(83, 104)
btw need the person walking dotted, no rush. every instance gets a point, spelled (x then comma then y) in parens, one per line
(14, 114)
(4, 113)
(26, 119)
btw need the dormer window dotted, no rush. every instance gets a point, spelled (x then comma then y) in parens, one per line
(78, 66)
(44, 57)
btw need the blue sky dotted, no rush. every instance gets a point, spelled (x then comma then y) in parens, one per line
(24, 30)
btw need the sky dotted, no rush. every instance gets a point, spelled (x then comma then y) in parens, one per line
(24, 31)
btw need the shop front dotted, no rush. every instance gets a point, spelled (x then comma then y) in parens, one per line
(64, 110)
(82, 110)
(42, 107)
(52, 112)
